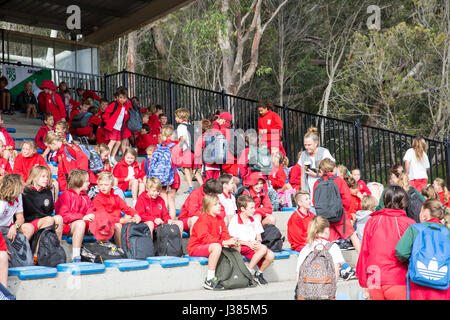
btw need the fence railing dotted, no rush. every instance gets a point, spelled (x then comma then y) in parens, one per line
(373, 150)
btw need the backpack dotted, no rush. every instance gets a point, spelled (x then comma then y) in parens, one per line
(161, 165)
(192, 132)
(231, 270)
(216, 148)
(49, 252)
(5, 294)
(80, 120)
(168, 241)
(259, 159)
(287, 198)
(316, 276)
(103, 123)
(327, 200)
(21, 254)
(134, 123)
(274, 197)
(95, 161)
(415, 202)
(272, 238)
(99, 251)
(136, 241)
(429, 264)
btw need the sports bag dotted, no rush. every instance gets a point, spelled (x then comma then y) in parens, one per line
(49, 252)
(429, 264)
(316, 276)
(100, 251)
(259, 159)
(231, 270)
(161, 165)
(21, 254)
(216, 148)
(168, 241)
(134, 122)
(136, 241)
(272, 238)
(327, 200)
(80, 120)
(95, 160)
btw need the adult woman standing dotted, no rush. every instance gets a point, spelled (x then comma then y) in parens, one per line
(310, 159)
(417, 163)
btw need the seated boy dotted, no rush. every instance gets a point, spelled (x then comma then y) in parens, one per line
(248, 231)
(49, 126)
(143, 139)
(297, 226)
(227, 198)
(5, 166)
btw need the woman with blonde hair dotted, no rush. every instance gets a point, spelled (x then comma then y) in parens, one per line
(416, 164)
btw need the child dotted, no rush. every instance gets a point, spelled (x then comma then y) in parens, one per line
(211, 170)
(11, 205)
(5, 166)
(342, 171)
(106, 200)
(430, 216)
(103, 150)
(152, 208)
(75, 122)
(144, 139)
(363, 189)
(54, 103)
(38, 203)
(27, 159)
(185, 158)
(248, 232)
(209, 235)
(26, 100)
(442, 191)
(48, 127)
(154, 123)
(129, 175)
(416, 163)
(297, 226)
(62, 129)
(8, 142)
(69, 103)
(429, 193)
(76, 209)
(318, 233)
(356, 198)
(295, 175)
(226, 198)
(278, 177)
(163, 119)
(5, 96)
(368, 205)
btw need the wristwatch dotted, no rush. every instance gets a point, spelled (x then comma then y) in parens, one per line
(17, 226)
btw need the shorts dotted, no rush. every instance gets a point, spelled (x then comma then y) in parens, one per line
(34, 223)
(67, 226)
(114, 135)
(176, 182)
(337, 229)
(212, 174)
(389, 292)
(419, 184)
(202, 250)
(249, 253)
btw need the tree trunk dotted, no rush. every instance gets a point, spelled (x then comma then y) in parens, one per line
(163, 53)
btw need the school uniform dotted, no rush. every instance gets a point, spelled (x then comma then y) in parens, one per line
(355, 205)
(37, 204)
(297, 229)
(212, 170)
(58, 110)
(3, 246)
(84, 131)
(42, 101)
(295, 177)
(6, 139)
(263, 205)
(143, 141)
(228, 201)
(115, 123)
(40, 136)
(24, 98)
(8, 209)
(271, 121)
(363, 188)
(113, 205)
(122, 171)
(155, 129)
(5, 165)
(278, 178)
(23, 165)
(184, 158)
(206, 230)
(441, 196)
(150, 209)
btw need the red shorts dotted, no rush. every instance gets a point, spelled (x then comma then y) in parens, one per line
(202, 250)
(389, 292)
(34, 223)
(419, 184)
(212, 174)
(112, 135)
(249, 253)
(337, 229)
(66, 228)
(176, 182)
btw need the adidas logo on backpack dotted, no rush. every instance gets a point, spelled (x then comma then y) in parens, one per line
(431, 272)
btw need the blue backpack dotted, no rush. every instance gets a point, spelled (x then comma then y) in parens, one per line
(161, 165)
(429, 264)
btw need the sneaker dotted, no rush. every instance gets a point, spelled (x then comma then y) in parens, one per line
(76, 259)
(213, 284)
(189, 190)
(260, 279)
(348, 273)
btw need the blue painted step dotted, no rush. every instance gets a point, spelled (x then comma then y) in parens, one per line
(76, 268)
(201, 260)
(32, 272)
(186, 235)
(127, 194)
(292, 251)
(11, 130)
(86, 238)
(282, 255)
(289, 209)
(168, 262)
(127, 264)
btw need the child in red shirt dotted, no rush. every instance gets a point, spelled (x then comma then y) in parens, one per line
(112, 204)
(5, 166)
(144, 139)
(356, 197)
(297, 227)
(362, 186)
(152, 208)
(209, 235)
(278, 177)
(295, 175)
(49, 126)
(27, 159)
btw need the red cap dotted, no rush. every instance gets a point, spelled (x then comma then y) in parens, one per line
(253, 178)
(225, 116)
(102, 226)
(47, 84)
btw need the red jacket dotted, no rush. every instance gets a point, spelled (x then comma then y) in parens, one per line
(206, 230)
(244, 170)
(42, 101)
(8, 139)
(40, 136)
(72, 206)
(5, 165)
(295, 177)
(111, 118)
(23, 165)
(278, 177)
(58, 110)
(363, 188)
(3, 246)
(192, 207)
(297, 229)
(355, 205)
(67, 164)
(121, 173)
(90, 93)
(113, 205)
(143, 141)
(155, 128)
(150, 209)
(270, 121)
(381, 234)
(344, 191)
(84, 131)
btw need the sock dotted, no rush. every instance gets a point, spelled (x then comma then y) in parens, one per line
(211, 274)
(258, 272)
(76, 252)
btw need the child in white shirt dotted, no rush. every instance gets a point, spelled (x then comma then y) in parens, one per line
(226, 198)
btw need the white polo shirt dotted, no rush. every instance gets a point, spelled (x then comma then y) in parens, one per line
(244, 232)
(8, 211)
(229, 203)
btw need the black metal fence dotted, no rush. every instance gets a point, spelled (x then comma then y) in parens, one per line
(373, 150)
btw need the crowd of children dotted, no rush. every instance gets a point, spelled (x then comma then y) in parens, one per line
(233, 205)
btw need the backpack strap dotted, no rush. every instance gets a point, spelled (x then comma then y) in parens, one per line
(68, 154)
(146, 165)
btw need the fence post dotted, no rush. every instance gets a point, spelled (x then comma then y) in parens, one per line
(105, 86)
(447, 161)
(224, 100)
(286, 136)
(124, 78)
(172, 101)
(357, 135)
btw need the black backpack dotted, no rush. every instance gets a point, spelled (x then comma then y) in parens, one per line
(134, 123)
(168, 241)
(99, 251)
(80, 120)
(328, 201)
(21, 254)
(49, 251)
(231, 270)
(415, 202)
(136, 241)
(272, 238)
